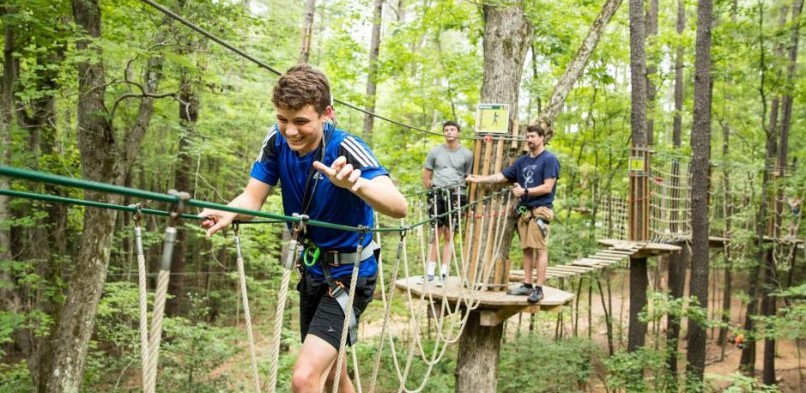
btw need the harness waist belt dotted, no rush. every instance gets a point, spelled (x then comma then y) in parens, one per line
(335, 258)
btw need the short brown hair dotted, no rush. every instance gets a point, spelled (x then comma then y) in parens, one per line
(542, 128)
(300, 86)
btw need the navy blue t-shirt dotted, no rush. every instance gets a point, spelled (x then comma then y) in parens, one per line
(328, 203)
(532, 172)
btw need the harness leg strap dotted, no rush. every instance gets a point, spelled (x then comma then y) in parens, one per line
(342, 298)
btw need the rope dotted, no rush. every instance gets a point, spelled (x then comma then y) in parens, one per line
(387, 303)
(348, 312)
(245, 298)
(161, 292)
(282, 297)
(159, 311)
(143, 297)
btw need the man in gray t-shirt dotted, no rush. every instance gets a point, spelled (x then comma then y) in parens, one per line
(444, 173)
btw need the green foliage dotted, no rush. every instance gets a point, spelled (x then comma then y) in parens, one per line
(538, 364)
(641, 371)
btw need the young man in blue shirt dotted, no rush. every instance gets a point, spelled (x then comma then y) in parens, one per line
(330, 176)
(535, 176)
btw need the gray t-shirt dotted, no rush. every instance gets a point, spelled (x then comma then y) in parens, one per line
(449, 167)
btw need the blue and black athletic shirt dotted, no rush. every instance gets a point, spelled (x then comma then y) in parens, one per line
(328, 203)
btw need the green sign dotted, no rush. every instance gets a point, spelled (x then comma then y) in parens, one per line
(492, 118)
(636, 164)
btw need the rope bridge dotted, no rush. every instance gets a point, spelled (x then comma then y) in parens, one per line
(465, 293)
(669, 208)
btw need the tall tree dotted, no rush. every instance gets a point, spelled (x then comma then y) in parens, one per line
(677, 262)
(748, 358)
(727, 212)
(6, 121)
(580, 59)
(507, 36)
(307, 31)
(700, 168)
(638, 266)
(96, 140)
(651, 69)
(372, 71)
(772, 282)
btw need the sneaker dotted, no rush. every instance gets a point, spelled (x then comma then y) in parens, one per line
(536, 296)
(427, 278)
(441, 281)
(521, 291)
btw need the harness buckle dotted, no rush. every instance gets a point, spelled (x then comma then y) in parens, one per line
(335, 289)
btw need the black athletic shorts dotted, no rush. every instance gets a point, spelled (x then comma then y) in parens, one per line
(438, 204)
(321, 315)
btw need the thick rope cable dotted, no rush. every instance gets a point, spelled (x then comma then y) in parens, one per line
(162, 290)
(282, 297)
(387, 309)
(348, 313)
(159, 309)
(143, 298)
(245, 299)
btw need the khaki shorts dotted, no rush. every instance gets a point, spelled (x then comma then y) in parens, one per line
(530, 234)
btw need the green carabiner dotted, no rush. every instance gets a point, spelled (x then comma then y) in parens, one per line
(522, 209)
(308, 252)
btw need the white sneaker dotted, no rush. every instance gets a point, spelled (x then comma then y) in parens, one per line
(441, 281)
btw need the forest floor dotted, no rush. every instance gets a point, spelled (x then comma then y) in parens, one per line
(790, 369)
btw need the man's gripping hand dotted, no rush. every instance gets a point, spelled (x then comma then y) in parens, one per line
(215, 220)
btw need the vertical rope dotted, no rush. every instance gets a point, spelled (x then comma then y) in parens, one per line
(288, 266)
(387, 302)
(143, 297)
(348, 313)
(159, 308)
(246, 314)
(162, 290)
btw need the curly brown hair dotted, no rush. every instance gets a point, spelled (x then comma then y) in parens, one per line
(300, 86)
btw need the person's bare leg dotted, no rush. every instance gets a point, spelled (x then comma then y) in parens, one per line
(345, 384)
(528, 265)
(315, 360)
(447, 249)
(542, 265)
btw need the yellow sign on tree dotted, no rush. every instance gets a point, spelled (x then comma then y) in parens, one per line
(492, 118)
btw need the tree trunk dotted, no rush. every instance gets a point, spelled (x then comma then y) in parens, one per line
(772, 281)
(372, 71)
(307, 31)
(748, 358)
(6, 122)
(580, 59)
(477, 363)
(677, 262)
(507, 36)
(651, 70)
(96, 145)
(700, 167)
(636, 336)
(638, 269)
(188, 114)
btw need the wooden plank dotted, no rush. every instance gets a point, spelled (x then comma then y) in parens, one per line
(453, 291)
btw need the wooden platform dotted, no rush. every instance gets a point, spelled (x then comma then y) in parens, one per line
(640, 249)
(494, 306)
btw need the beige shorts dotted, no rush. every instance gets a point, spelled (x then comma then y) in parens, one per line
(530, 234)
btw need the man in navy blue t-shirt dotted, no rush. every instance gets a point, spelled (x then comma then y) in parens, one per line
(330, 176)
(535, 176)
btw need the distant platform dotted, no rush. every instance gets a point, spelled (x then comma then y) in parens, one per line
(720, 241)
(639, 249)
(495, 306)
